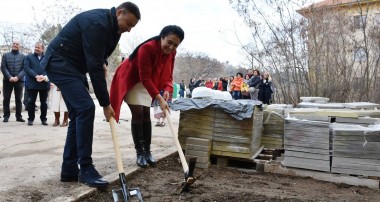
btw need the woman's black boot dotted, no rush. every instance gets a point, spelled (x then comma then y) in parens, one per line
(147, 131)
(137, 134)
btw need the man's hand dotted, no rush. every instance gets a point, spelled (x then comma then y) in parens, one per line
(108, 112)
(40, 78)
(105, 71)
(14, 79)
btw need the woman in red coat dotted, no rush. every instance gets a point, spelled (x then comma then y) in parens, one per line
(139, 80)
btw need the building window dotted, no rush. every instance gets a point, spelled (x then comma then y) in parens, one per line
(359, 21)
(359, 55)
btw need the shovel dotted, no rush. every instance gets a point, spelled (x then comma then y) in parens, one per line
(187, 169)
(125, 193)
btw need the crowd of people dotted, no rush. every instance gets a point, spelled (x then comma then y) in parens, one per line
(24, 76)
(253, 85)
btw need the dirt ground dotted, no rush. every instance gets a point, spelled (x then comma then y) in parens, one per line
(232, 184)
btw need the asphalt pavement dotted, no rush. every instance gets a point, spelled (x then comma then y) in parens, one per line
(31, 156)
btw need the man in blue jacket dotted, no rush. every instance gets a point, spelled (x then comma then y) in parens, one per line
(81, 47)
(36, 83)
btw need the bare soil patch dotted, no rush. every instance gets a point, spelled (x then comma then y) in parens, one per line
(232, 184)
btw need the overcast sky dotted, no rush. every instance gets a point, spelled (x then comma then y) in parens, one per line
(208, 24)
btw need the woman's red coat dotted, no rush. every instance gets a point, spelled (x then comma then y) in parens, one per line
(150, 66)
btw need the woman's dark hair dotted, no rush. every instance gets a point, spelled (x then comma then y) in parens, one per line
(130, 7)
(258, 72)
(239, 73)
(170, 29)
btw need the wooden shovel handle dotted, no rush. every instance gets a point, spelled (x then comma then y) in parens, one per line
(115, 140)
(179, 148)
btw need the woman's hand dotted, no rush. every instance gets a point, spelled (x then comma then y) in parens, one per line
(166, 95)
(163, 104)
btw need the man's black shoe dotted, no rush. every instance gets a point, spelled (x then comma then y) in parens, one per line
(91, 177)
(20, 120)
(44, 123)
(69, 177)
(30, 123)
(5, 120)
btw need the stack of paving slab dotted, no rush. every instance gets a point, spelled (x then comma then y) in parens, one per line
(337, 139)
(321, 100)
(318, 102)
(307, 144)
(230, 137)
(322, 103)
(200, 149)
(356, 149)
(237, 138)
(197, 123)
(362, 121)
(273, 126)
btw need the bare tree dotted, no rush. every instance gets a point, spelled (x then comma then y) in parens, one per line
(49, 20)
(10, 32)
(193, 65)
(314, 55)
(278, 44)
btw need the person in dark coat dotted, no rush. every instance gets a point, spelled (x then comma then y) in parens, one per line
(82, 47)
(37, 83)
(225, 84)
(182, 89)
(191, 86)
(12, 67)
(199, 83)
(265, 89)
(253, 84)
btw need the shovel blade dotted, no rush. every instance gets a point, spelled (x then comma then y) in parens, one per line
(136, 193)
(125, 193)
(119, 196)
(189, 178)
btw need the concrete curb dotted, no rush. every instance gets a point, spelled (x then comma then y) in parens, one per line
(85, 190)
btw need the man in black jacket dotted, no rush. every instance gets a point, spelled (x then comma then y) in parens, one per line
(36, 83)
(82, 47)
(13, 71)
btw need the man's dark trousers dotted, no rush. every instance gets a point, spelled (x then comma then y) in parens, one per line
(8, 87)
(32, 102)
(81, 107)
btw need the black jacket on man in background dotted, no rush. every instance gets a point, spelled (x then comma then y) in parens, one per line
(12, 65)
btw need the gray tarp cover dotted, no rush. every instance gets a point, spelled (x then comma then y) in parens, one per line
(239, 109)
